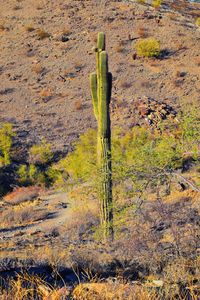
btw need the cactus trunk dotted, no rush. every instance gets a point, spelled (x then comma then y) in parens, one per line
(101, 86)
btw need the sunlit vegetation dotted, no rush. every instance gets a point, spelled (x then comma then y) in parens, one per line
(137, 154)
(148, 47)
(6, 137)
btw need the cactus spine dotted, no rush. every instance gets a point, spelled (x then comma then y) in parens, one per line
(101, 86)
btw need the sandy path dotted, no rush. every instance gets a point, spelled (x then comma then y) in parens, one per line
(56, 218)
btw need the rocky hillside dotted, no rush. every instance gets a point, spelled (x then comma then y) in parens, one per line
(46, 57)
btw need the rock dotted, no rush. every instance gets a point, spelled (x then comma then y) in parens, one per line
(64, 38)
(22, 134)
(153, 111)
(155, 283)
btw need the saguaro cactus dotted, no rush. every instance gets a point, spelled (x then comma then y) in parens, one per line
(101, 87)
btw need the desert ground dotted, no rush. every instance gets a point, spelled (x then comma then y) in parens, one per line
(47, 234)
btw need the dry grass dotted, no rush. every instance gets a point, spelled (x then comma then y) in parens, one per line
(17, 7)
(84, 214)
(22, 215)
(37, 68)
(124, 84)
(178, 83)
(78, 105)
(66, 31)
(2, 27)
(22, 194)
(29, 28)
(119, 48)
(146, 84)
(42, 34)
(142, 32)
(46, 94)
(27, 287)
(172, 16)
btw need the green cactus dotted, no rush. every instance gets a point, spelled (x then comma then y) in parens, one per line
(101, 87)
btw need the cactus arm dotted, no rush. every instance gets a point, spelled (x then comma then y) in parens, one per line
(101, 41)
(103, 96)
(93, 88)
(109, 86)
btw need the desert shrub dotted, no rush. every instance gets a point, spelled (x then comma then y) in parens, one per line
(42, 34)
(137, 155)
(29, 28)
(142, 32)
(156, 3)
(78, 105)
(28, 174)
(198, 22)
(141, 1)
(79, 164)
(190, 131)
(22, 194)
(6, 137)
(15, 216)
(22, 173)
(41, 153)
(148, 47)
(37, 171)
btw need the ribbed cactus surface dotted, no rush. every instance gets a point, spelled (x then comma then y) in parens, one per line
(101, 87)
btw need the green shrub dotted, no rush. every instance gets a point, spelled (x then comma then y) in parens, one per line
(27, 174)
(22, 173)
(30, 174)
(141, 1)
(6, 137)
(79, 164)
(156, 3)
(198, 22)
(148, 47)
(137, 154)
(41, 153)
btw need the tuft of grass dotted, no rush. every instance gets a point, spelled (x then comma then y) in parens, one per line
(119, 48)
(37, 68)
(2, 27)
(198, 22)
(149, 47)
(156, 3)
(78, 105)
(141, 1)
(46, 94)
(42, 34)
(22, 194)
(29, 28)
(142, 32)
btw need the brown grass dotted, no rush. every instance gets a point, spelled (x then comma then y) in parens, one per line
(17, 7)
(37, 68)
(46, 94)
(124, 84)
(22, 194)
(22, 215)
(66, 31)
(178, 83)
(29, 28)
(42, 34)
(78, 105)
(142, 32)
(2, 27)
(119, 48)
